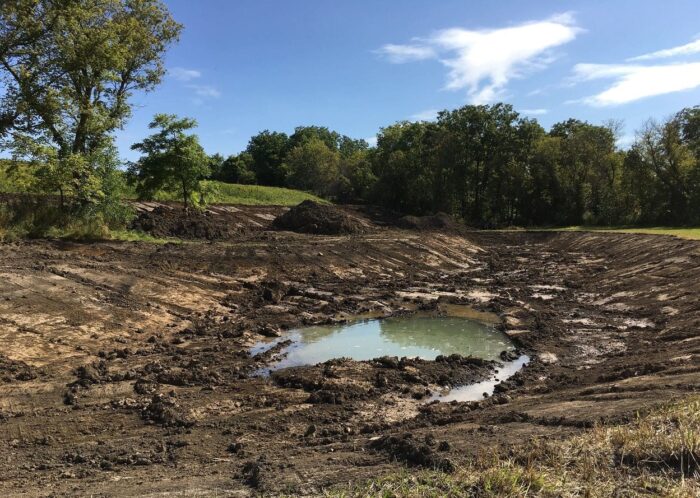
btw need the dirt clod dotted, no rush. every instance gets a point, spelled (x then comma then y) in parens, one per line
(12, 370)
(406, 449)
(165, 412)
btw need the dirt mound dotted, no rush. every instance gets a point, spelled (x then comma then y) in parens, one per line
(170, 222)
(439, 221)
(320, 219)
(412, 452)
(11, 370)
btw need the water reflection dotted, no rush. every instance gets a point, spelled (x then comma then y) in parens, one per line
(423, 337)
(479, 390)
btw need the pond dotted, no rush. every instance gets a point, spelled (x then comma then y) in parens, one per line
(411, 336)
(422, 337)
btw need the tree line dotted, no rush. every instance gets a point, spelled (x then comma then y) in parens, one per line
(491, 166)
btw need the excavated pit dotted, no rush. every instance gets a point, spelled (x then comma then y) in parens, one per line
(126, 366)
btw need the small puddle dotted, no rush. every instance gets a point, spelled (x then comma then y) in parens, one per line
(412, 336)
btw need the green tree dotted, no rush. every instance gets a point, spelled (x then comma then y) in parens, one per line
(268, 150)
(237, 169)
(172, 160)
(357, 177)
(314, 166)
(669, 161)
(404, 179)
(589, 170)
(304, 134)
(69, 68)
(481, 141)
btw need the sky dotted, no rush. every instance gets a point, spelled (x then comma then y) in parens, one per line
(243, 66)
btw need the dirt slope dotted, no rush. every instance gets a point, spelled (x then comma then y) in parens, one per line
(124, 368)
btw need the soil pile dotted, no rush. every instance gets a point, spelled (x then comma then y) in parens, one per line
(169, 222)
(11, 370)
(312, 217)
(439, 221)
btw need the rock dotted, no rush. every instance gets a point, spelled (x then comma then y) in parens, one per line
(548, 358)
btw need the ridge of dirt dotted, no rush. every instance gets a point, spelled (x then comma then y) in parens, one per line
(439, 221)
(139, 379)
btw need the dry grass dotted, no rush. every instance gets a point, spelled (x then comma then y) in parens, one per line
(684, 233)
(656, 455)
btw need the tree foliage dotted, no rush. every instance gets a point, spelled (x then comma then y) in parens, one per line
(172, 161)
(68, 69)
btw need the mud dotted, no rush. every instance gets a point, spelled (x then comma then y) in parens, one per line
(125, 368)
(321, 219)
(219, 222)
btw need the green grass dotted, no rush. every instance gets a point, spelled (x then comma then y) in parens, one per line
(229, 193)
(685, 233)
(251, 195)
(221, 193)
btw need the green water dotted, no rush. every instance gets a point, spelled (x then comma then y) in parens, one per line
(423, 337)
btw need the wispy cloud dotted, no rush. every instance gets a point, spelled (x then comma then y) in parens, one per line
(687, 49)
(633, 82)
(372, 141)
(484, 61)
(399, 54)
(183, 74)
(427, 115)
(205, 91)
(534, 112)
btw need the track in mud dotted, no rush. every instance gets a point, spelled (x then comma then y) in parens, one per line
(124, 367)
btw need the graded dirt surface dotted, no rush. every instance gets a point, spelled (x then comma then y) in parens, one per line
(124, 367)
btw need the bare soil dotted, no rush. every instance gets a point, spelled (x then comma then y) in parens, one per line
(124, 367)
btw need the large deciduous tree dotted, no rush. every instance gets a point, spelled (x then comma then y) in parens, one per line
(69, 67)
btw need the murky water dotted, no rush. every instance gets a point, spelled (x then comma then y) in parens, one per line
(479, 390)
(422, 337)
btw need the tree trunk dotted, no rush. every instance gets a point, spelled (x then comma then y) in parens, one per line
(185, 196)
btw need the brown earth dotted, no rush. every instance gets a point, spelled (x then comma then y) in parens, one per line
(223, 222)
(320, 219)
(124, 368)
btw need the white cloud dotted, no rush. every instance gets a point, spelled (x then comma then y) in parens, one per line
(534, 112)
(427, 115)
(372, 141)
(634, 82)
(205, 91)
(687, 49)
(399, 54)
(182, 74)
(484, 61)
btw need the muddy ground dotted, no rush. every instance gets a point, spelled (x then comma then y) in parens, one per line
(124, 367)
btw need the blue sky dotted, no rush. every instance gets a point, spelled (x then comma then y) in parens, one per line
(243, 66)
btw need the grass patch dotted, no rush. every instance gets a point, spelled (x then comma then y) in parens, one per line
(251, 195)
(685, 233)
(36, 219)
(656, 455)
